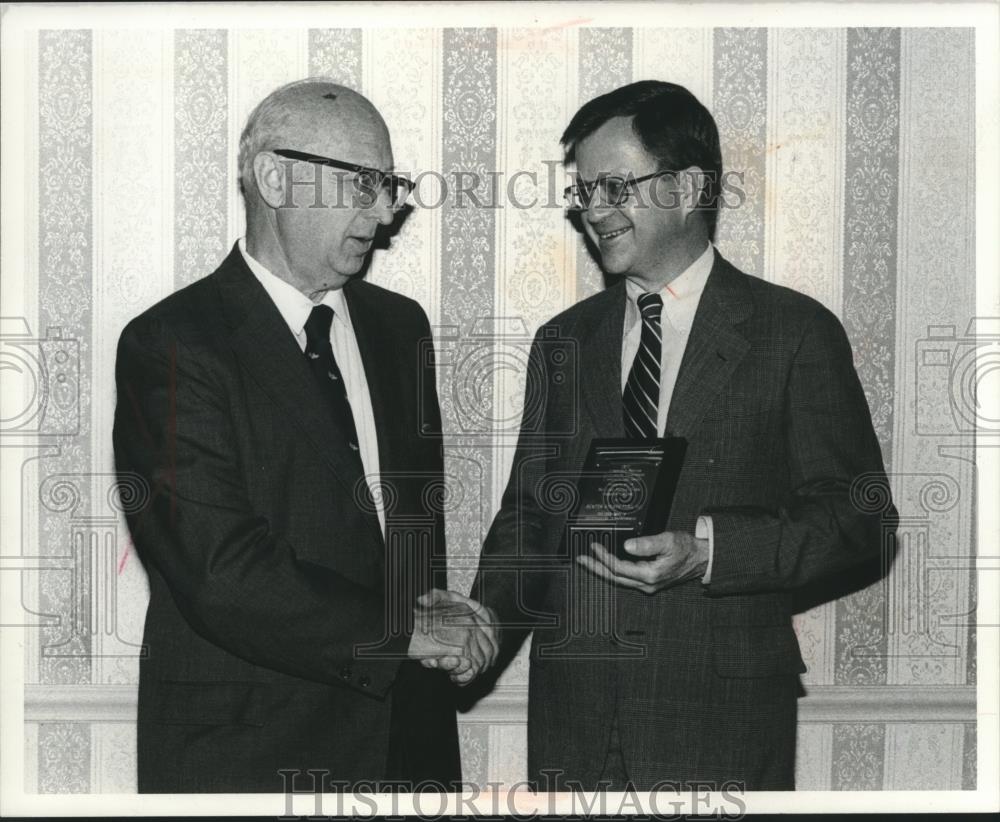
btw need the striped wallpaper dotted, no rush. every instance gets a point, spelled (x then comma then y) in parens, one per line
(858, 150)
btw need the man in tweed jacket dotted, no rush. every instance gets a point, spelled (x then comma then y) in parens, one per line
(681, 666)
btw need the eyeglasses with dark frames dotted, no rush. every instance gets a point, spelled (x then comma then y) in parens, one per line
(613, 189)
(370, 181)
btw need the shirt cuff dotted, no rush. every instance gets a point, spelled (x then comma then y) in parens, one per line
(704, 529)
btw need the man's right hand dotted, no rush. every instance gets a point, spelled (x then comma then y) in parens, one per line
(454, 633)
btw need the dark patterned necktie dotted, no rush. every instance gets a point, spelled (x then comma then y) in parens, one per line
(319, 354)
(642, 390)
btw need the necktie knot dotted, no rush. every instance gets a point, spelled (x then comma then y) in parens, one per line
(650, 306)
(317, 327)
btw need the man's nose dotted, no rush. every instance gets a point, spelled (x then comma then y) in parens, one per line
(382, 209)
(597, 209)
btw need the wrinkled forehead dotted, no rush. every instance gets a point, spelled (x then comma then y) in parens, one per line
(341, 125)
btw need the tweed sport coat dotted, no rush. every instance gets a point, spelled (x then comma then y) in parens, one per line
(267, 567)
(703, 679)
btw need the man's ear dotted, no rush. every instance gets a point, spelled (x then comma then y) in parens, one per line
(693, 183)
(269, 177)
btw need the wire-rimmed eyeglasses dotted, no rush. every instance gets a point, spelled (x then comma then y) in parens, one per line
(612, 189)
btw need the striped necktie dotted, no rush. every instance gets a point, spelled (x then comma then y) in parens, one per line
(642, 390)
(319, 354)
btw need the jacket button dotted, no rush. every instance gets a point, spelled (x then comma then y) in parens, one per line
(364, 682)
(345, 673)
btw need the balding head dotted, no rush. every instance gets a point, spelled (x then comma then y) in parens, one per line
(316, 116)
(298, 224)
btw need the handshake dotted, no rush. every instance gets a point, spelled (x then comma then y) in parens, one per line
(454, 633)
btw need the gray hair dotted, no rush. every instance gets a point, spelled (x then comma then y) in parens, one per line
(266, 127)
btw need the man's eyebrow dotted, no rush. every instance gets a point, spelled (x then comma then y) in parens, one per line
(330, 96)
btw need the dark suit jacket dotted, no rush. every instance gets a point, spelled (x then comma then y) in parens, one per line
(702, 679)
(267, 567)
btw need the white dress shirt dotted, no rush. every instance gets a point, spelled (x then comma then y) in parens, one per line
(680, 303)
(295, 308)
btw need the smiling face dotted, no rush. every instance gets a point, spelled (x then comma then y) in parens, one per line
(647, 238)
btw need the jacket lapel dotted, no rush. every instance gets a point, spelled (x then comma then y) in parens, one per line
(714, 348)
(383, 371)
(601, 355)
(267, 350)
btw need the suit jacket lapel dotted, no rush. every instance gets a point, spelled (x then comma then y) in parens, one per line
(714, 348)
(267, 350)
(383, 371)
(601, 355)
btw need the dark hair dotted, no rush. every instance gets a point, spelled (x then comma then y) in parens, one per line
(671, 125)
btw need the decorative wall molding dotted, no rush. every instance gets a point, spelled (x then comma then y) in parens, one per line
(831, 703)
(930, 703)
(80, 703)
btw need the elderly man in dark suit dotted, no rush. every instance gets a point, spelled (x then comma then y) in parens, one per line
(277, 411)
(677, 665)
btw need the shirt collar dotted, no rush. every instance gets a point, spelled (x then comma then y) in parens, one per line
(292, 304)
(338, 302)
(689, 283)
